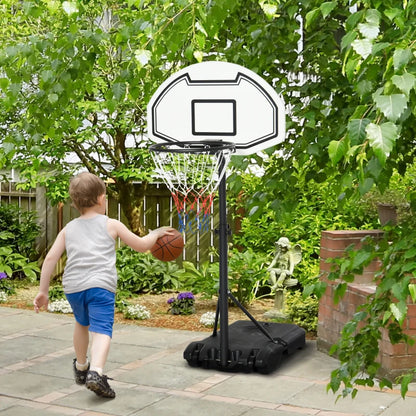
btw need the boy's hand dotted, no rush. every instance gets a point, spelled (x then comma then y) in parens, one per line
(160, 232)
(40, 300)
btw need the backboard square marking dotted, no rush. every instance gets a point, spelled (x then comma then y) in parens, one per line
(214, 117)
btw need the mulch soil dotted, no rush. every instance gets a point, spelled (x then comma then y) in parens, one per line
(159, 310)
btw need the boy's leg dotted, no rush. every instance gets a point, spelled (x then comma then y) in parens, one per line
(80, 336)
(100, 346)
(101, 316)
(96, 380)
(81, 340)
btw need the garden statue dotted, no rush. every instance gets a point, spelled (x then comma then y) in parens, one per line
(281, 273)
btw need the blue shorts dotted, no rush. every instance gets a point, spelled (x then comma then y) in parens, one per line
(94, 308)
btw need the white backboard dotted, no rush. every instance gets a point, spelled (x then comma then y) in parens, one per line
(217, 101)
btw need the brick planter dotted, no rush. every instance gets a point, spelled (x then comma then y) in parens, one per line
(394, 359)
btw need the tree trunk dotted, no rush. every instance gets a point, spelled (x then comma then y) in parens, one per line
(132, 205)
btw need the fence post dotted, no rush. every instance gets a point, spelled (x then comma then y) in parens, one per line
(42, 216)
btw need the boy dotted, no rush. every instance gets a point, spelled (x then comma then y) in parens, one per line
(90, 277)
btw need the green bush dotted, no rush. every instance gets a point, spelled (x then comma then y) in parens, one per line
(302, 311)
(141, 272)
(301, 217)
(56, 292)
(16, 266)
(247, 275)
(19, 230)
(203, 281)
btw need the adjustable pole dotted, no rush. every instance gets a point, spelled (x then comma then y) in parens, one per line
(223, 260)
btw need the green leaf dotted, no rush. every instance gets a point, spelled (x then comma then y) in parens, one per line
(365, 186)
(200, 27)
(339, 292)
(369, 30)
(4, 235)
(399, 311)
(372, 16)
(356, 130)
(410, 254)
(412, 291)
(4, 83)
(364, 87)
(53, 98)
(404, 383)
(392, 13)
(70, 7)
(401, 57)
(5, 268)
(360, 258)
(377, 47)
(386, 317)
(199, 56)
(311, 17)
(381, 138)
(363, 47)
(347, 39)
(392, 106)
(337, 150)
(404, 82)
(143, 56)
(327, 7)
(119, 90)
(269, 9)
(255, 212)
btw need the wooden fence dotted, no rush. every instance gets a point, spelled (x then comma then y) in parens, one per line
(159, 209)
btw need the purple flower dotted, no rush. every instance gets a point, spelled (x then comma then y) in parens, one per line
(3, 275)
(171, 300)
(185, 295)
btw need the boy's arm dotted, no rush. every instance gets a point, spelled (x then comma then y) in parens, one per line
(48, 268)
(118, 230)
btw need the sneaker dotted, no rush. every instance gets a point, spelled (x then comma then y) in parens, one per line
(80, 375)
(99, 385)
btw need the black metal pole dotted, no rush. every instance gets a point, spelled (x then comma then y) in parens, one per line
(223, 260)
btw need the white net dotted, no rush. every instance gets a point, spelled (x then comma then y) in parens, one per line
(192, 172)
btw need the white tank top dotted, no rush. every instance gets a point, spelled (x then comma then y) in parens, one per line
(91, 255)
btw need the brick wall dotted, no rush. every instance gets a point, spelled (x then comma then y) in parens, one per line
(394, 359)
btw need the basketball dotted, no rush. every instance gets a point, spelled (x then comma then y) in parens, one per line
(168, 247)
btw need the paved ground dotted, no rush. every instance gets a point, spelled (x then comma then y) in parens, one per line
(152, 378)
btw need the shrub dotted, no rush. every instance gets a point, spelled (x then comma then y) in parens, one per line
(5, 286)
(56, 293)
(300, 216)
(18, 230)
(302, 311)
(204, 281)
(141, 272)
(15, 265)
(247, 273)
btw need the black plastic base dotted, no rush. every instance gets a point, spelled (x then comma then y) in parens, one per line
(248, 348)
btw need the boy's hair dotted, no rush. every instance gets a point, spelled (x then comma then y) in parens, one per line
(84, 190)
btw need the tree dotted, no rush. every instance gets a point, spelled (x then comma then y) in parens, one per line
(350, 92)
(75, 79)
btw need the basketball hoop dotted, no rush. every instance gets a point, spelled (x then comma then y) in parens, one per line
(192, 171)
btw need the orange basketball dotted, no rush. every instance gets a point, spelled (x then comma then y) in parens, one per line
(168, 247)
